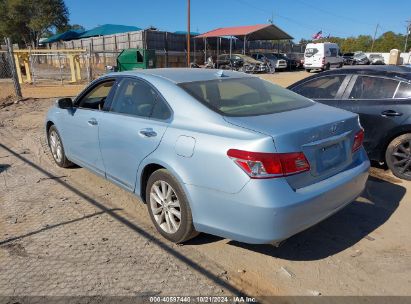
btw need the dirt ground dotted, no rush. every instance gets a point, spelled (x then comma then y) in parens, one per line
(69, 232)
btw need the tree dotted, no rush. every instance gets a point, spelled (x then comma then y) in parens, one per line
(69, 27)
(389, 41)
(384, 43)
(26, 21)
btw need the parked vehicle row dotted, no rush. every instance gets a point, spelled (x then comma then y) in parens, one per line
(214, 151)
(360, 58)
(241, 63)
(256, 62)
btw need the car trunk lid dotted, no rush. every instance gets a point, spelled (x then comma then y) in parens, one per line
(324, 134)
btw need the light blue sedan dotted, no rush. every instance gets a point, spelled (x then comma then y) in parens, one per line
(214, 151)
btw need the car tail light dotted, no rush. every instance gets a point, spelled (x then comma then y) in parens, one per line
(269, 165)
(358, 140)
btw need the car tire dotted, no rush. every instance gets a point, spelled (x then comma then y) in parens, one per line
(398, 156)
(171, 214)
(57, 148)
(308, 70)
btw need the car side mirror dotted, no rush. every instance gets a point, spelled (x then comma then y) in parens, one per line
(65, 103)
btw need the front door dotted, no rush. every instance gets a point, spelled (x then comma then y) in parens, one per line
(82, 127)
(131, 130)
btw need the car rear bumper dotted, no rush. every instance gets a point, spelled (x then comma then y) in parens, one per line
(269, 210)
(313, 66)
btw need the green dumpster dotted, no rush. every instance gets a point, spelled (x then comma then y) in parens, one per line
(131, 59)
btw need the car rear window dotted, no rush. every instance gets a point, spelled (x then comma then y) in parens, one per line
(244, 96)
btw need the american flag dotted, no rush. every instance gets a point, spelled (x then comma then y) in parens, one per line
(319, 35)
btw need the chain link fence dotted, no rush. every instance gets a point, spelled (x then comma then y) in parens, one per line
(54, 69)
(7, 89)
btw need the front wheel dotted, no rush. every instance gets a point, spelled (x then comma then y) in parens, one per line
(169, 208)
(398, 156)
(57, 149)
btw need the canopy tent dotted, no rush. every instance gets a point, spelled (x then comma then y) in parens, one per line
(252, 32)
(185, 33)
(247, 32)
(68, 35)
(108, 29)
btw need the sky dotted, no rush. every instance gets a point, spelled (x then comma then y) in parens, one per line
(299, 18)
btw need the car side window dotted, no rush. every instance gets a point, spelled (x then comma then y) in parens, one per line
(404, 90)
(134, 97)
(161, 110)
(366, 87)
(333, 52)
(97, 96)
(321, 88)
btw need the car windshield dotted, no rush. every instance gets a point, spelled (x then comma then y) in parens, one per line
(245, 96)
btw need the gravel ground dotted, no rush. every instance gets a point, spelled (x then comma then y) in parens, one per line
(69, 232)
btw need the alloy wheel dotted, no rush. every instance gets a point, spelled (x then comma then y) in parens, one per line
(401, 158)
(55, 146)
(165, 206)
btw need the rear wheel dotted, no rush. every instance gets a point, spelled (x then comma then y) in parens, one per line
(398, 156)
(168, 207)
(57, 149)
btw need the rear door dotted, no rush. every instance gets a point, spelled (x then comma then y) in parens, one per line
(132, 129)
(313, 56)
(372, 98)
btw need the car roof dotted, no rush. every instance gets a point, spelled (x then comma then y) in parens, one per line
(401, 72)
(380, 70)
(182, 75)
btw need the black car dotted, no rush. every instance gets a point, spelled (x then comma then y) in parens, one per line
(348, 58)
(381, 95)
(234, 62)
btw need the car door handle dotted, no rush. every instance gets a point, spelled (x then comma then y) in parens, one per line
(390, 113)
(148, 132)
(92, 122)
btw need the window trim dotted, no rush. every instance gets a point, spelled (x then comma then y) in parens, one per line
(158, 96)
(340, 91)
(354, 80)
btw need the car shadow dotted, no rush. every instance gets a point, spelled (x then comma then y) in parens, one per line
(378, 202)
(344, 229)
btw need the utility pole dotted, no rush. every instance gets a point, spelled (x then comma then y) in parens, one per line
(188, 33)
(375, 35)
(408, 33)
